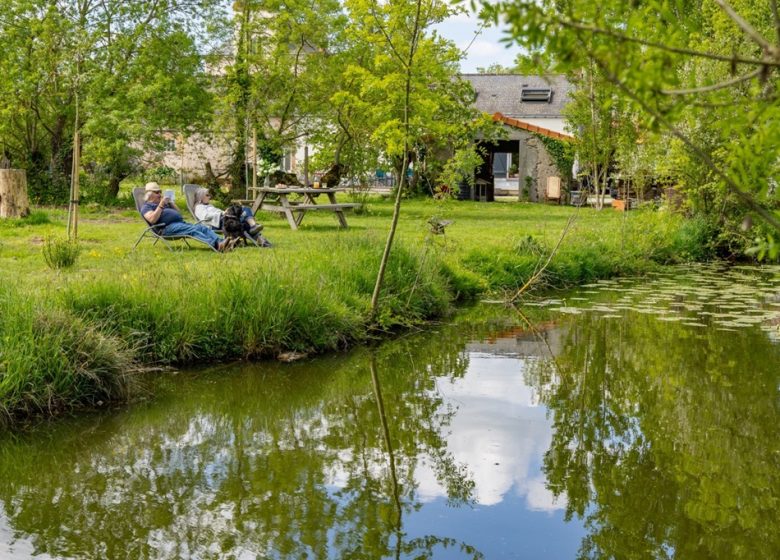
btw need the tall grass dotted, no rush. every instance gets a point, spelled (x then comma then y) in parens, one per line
(53, 361)
(255, 311)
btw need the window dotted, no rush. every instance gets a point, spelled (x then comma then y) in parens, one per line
(536, 95)
(169, 145)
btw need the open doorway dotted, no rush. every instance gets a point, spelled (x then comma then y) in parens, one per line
(505, 173)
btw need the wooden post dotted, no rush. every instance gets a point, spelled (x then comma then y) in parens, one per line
(73, 203)
(73, 209)
(13, 194)
(180, 140)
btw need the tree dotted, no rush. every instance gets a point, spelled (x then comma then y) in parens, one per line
(131, 67)
(704, 72)
(601, 122)
(408, 85)
(274, 85)
(495, 68)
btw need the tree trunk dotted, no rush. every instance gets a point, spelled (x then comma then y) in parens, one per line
(13, 194)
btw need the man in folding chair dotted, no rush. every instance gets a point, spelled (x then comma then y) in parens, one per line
(158, 209)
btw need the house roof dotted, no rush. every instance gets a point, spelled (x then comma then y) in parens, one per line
(500, 93)
(517, 123)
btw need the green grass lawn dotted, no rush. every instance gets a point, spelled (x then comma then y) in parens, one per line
(72, 337)
(479, 230)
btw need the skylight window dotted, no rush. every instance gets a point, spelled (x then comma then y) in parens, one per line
(536, 95)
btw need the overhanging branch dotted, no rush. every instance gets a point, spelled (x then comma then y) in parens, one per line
(714, 87)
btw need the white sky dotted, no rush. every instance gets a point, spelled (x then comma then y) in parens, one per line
(486, 48)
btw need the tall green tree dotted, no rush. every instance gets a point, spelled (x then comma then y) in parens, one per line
(133, 68)
(407, 87)
(602, 124)
(704, 72)
(274, 85)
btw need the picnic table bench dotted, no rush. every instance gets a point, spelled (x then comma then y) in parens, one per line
(276, 199)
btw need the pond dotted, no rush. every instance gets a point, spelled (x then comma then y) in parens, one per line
(629, 419)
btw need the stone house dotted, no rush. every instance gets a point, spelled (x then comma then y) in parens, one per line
(528, 107)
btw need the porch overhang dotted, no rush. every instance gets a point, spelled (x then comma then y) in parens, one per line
(515, 123)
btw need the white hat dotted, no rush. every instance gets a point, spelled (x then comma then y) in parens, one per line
(152, 187)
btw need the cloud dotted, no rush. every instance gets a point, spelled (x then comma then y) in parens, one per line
(499, 433)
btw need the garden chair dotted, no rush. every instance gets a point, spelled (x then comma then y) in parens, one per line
(156, 231)
(189, 197)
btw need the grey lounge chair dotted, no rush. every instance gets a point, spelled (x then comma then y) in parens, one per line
(156, 232)
(189, 197)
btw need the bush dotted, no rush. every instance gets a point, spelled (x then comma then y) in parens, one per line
(60, 253)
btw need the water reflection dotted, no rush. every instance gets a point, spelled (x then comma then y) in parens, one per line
(665, 435)
(358, 456)
(601, 433)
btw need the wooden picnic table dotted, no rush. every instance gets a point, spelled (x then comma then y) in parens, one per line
(276, 199)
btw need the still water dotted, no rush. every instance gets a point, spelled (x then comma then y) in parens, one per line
(630, 419)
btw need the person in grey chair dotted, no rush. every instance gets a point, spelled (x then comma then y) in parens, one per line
(159, 209)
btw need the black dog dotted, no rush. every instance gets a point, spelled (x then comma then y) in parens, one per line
(232, 226)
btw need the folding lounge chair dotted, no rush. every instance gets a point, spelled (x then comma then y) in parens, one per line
(156, 231)
(189, 196)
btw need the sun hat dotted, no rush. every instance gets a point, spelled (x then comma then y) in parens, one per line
(152, 187)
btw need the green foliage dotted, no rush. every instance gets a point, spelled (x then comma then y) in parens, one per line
(561, 152)
(765, 248)
(669, 93)
(118, 71)
(60, 253)
(460, 167)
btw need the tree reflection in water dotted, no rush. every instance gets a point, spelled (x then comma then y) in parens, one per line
(280, 462)
(421, 547)
(665, 438)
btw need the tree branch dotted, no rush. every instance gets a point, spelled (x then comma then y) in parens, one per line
(702, 155)
(773, 4)
(541, 270)
(714, 87)
(387, 37)
(734, 59)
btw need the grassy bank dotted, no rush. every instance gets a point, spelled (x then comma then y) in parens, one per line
(73, 338)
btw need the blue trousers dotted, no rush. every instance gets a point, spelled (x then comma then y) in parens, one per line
(198, 231)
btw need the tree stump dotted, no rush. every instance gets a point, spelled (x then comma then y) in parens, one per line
(13, 194)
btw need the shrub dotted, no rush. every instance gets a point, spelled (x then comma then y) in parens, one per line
(60, 253)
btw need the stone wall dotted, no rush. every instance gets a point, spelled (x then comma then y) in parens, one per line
(534, 162)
